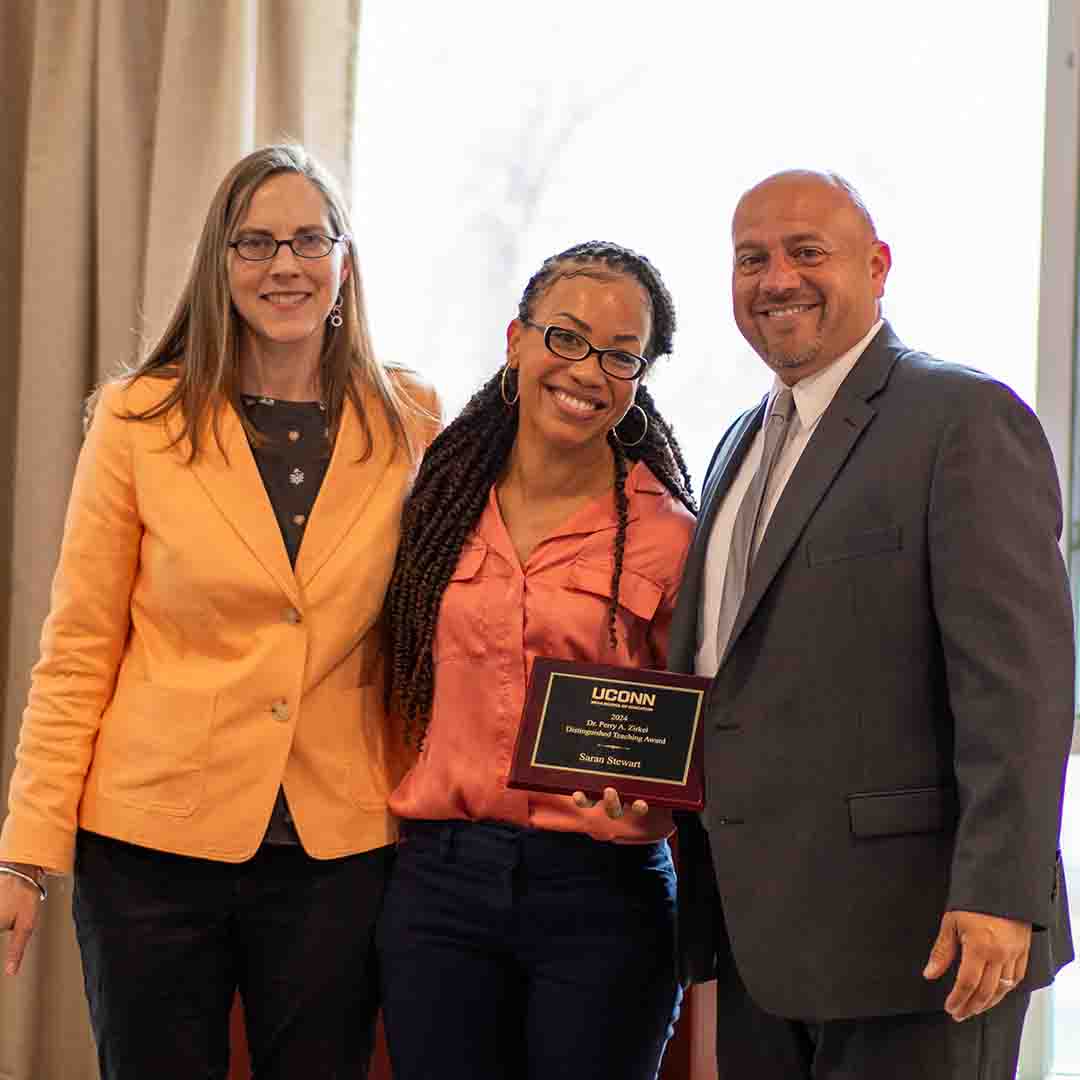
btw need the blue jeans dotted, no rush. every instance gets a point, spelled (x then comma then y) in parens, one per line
(507, 952)
(167, 940)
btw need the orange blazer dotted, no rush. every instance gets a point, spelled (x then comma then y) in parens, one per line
(187, 671)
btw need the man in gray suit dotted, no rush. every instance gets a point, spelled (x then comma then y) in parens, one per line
(877, 587)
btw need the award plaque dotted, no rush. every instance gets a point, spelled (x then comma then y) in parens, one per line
(588, 726)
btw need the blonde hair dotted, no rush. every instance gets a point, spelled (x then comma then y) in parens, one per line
(200, 347)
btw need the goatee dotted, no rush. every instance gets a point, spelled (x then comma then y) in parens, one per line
(781, 361)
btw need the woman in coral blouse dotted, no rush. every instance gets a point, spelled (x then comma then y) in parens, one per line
(528, 934)
(204, 737)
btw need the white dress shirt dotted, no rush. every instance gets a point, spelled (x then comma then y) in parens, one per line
(813, 396)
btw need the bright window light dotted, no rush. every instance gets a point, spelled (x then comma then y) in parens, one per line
(491, 135)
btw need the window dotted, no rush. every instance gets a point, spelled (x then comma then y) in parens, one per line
(491, 135)
(1065, 993)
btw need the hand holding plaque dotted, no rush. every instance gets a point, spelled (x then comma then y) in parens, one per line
(612, 804)
(587, 727)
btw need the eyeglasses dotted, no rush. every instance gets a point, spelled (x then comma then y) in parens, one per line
(308, 245)
(618, 363)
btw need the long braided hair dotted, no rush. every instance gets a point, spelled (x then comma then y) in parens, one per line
(470, 455)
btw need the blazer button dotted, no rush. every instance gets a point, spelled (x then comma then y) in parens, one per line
(280, 711)
(293, 616)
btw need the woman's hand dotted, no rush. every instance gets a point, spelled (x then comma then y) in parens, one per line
(613, 804)
(19, 902)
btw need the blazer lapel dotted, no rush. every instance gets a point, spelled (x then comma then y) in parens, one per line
(233, 483)
(351, 480)
(728, 458)
(824, 455)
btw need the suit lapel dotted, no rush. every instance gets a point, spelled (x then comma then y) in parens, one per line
(233, 483)
(728, 458)
(351, 480)
(839, 429)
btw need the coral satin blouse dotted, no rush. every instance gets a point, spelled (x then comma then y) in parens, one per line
(497, 616)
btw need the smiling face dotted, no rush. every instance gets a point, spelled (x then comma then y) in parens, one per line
(285, 300)
(808, 273)
(574, 403)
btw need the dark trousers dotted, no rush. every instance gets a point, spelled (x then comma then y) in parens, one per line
(508, 952)
(911, 1046)
(167, 940)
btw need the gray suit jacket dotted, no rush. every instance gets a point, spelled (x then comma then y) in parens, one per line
(887, 734)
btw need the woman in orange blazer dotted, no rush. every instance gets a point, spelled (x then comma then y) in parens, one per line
(204, 740)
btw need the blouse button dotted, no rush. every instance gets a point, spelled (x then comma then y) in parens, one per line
(280, 711)
(299, 519)
(294, 435)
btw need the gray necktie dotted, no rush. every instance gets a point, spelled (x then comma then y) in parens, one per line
(740, 555)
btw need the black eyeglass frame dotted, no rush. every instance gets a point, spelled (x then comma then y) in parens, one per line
(600, 353)
(235, 245)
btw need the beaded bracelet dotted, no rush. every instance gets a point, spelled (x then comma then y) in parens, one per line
(39, 885)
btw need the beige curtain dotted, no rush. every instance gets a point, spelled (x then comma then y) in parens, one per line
(117, 120)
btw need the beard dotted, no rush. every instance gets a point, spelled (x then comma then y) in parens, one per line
(780, 360)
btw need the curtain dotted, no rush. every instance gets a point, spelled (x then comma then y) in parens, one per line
(118, 120)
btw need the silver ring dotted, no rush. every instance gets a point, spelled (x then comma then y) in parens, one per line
(1007, 983)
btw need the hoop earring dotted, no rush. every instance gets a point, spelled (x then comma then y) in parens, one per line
(502, 389)
(644, 430)
(334, 317)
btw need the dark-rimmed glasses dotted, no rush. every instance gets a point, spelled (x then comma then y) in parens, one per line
(570, 345)
(307, 245)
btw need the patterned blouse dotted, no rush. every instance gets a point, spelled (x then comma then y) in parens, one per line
(292, 462)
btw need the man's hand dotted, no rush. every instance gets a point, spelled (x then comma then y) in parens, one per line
(613, 805)
(993, 959)
(19, 903)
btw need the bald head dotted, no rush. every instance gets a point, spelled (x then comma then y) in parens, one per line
(843, 190)
(809, 270)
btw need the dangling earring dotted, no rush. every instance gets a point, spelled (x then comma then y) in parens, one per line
(511, 401)
(335, 314)
(644, 430)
